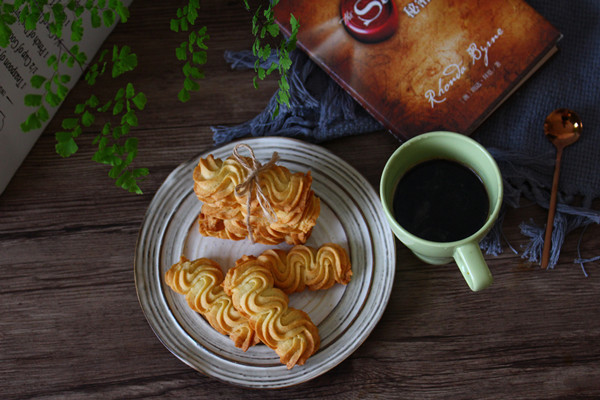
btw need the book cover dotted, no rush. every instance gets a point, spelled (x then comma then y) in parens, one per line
(423, 65)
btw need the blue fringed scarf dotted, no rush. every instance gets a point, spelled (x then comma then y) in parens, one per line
(320, 110)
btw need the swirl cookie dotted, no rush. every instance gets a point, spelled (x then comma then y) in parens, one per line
(200, 282)
(225, 213)
(288, 331)
(306, 267)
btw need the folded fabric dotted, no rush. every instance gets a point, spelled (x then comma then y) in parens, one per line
(321, 110)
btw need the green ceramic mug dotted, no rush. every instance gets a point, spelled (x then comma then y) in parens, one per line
(455, 147)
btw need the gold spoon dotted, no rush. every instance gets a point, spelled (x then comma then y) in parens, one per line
(562, 127)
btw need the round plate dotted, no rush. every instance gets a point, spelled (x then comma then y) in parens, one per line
(351, 215)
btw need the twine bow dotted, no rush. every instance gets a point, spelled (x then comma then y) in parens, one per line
(254, 168)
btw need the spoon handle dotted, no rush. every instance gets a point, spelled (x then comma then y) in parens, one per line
(551, 211)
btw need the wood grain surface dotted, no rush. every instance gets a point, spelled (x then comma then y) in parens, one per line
(71, 326)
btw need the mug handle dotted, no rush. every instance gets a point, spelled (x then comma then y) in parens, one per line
(471, 263)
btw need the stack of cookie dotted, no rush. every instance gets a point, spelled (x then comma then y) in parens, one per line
(281, 206)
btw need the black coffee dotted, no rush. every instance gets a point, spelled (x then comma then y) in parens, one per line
(441, 200)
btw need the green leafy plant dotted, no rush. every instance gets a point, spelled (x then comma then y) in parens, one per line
(192, 50)
(114, 147)
(263, 26)
(117, 114)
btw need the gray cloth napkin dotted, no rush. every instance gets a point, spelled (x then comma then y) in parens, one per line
(320, 110)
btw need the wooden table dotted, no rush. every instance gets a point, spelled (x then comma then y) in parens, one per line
(71, 326)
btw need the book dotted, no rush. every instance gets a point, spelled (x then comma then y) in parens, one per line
(424, 65)
(27, 55)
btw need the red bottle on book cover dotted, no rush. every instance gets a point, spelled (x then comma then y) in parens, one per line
(370, 21)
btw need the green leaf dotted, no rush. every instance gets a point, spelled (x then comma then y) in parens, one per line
(93, 101)
(123, 12)
(63, 136)
(130, 118)
(129, 90)
(183, 95)
(117, 169)
(284, 97)
(77, 30)
(140, 100)
(140, 172)
(104, 155)
(285, 63)
(275, 111)
(120, 94)
(52, 60)
(106, 106)
(31, 22)
(87, 119)
(5, 33)
(91, 75)
(191, 85)
(192, 39)
(195, 73)
(125, 129)
(33, 100)
(106, 129)
(181, 53)
(261, 73)
(62, 91)
(81, 57)
(95, 18)
(192, 15)
(32, 122)
(199, 57)
(174, 25)
(66, 148)
(77, 131)
(128, 182)
(42, 113)
(108, 17)
(272, 68)
(294, 23)
(117, 132)
(118, 107)
(70, 123)
(273, 29)
(79, 108)
(79, 10)
(124, 61)
(184, 25)
(131, 145)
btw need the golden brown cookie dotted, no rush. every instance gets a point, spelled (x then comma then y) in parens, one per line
(306, 267)
(224, 213)
(288, 331)
(200, 282)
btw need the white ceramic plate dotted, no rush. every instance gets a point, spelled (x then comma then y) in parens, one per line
(351, 216)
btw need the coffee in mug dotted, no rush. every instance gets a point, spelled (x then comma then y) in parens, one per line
(442, 193)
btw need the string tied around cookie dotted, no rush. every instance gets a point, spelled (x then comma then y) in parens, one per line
(252, 181)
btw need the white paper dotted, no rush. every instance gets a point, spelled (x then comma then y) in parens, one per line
(27, 55)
